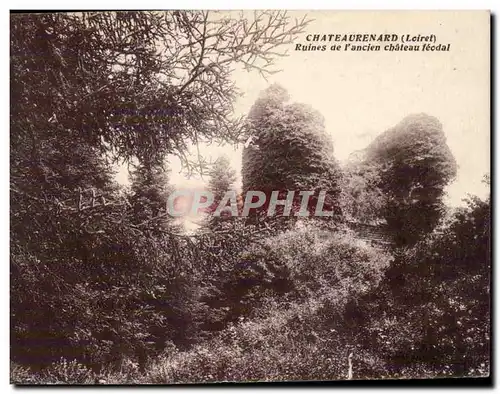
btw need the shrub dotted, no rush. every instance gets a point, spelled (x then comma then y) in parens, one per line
(284, 346)
(21, 375)
(125, 301)
(65, 372)
(298, 334)
(433, 308)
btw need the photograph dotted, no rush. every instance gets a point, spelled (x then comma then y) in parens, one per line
(248, 196)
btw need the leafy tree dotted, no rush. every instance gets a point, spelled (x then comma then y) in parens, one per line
(431, 314)
(150, 190)
(89, 280)
(414, 164)
(289, 150)
(222, 179)
(362, 199)
(111, 75)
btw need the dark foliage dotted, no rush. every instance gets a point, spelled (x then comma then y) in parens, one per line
(413, 165)
(95, 276)
(105, 288)
(431, 314)
(289, 151)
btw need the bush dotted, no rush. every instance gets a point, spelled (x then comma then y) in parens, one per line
(433, 308)
(295, 332)
(284, 346)
(60, 372)
(125, 301)
(308, 262)
(66, 372)
(21, 375)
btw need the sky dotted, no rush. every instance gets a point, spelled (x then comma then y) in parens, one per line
(362, 94)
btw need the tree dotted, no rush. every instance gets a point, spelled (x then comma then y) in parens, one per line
(289, 150)
(414, 165)
(222, 179)
(150, 190)
(89, 281)
(362, 198)
(108, 75)
(430, 316)
(450, 296)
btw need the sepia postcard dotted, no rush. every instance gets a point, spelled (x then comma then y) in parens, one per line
(249, 196)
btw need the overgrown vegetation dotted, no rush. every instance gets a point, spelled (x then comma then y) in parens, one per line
(106, 288)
